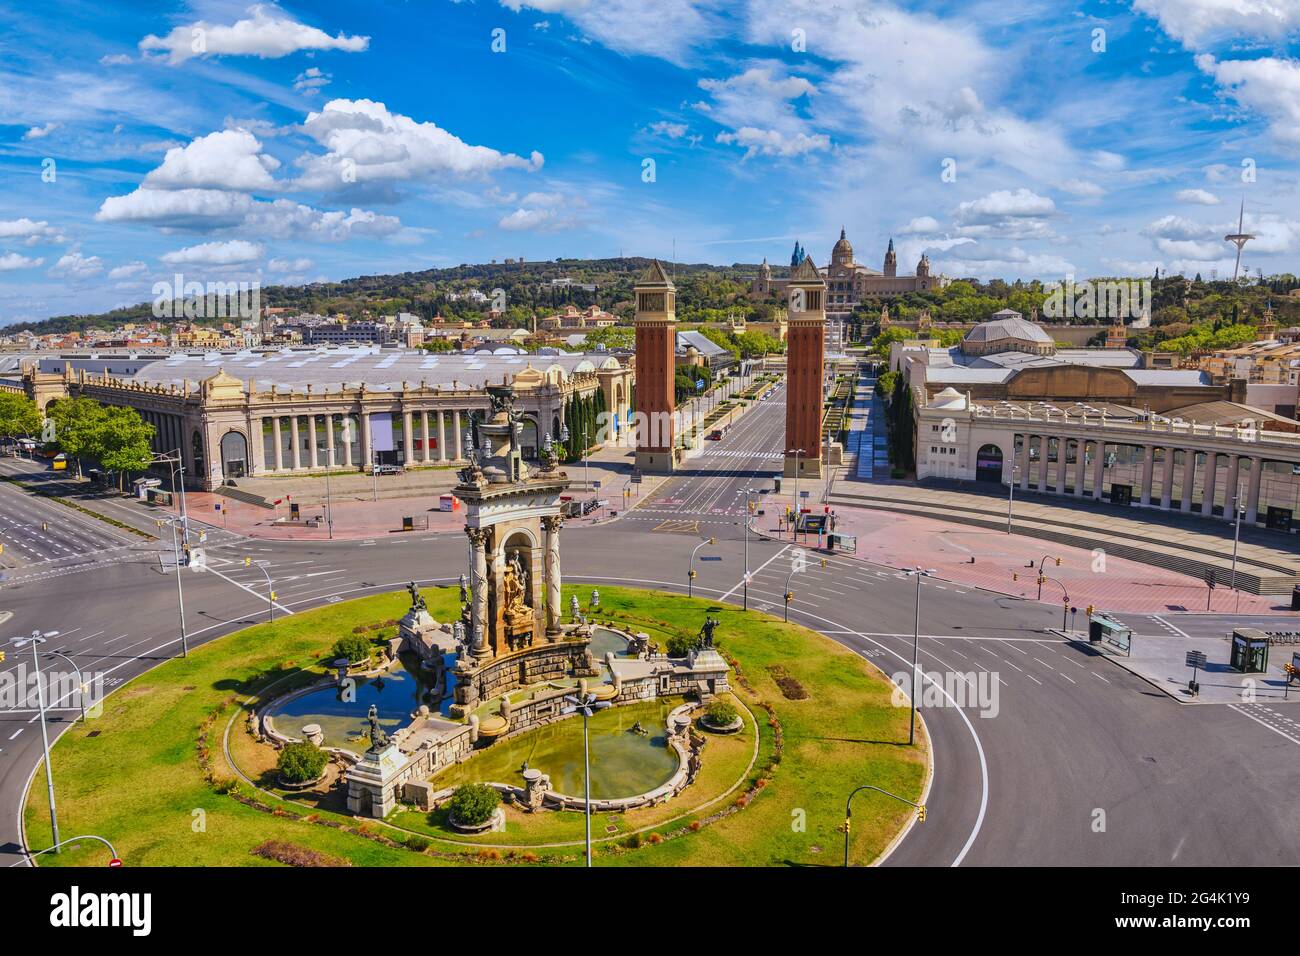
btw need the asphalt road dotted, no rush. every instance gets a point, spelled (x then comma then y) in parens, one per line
(1062, 758)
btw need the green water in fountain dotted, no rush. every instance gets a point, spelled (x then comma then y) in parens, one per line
(623, 763)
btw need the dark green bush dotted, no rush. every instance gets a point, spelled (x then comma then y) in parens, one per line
(473, 803)
(354, 647)
(720, 713)
(300, 762)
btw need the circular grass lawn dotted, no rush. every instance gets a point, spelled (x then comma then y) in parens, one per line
(157, 781)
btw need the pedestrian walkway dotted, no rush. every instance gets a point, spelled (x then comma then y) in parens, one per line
(1266, 562)
(996, 561)
(868, 438)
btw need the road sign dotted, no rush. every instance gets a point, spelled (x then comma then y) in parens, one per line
(710, 557)
(1196, 659)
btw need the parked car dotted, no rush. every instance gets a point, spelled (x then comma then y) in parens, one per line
(715, 435)
(388, 469)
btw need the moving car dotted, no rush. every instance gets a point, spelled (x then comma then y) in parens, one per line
(715, 435)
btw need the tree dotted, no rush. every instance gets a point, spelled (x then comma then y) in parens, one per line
(473, 804)
(18, 416)
(76, 427)
(122, 442)
(301, 762)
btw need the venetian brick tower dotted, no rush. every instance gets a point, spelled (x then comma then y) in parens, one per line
(805, 349)
(656, 349)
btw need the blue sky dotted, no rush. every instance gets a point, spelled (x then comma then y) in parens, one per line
(299, 142)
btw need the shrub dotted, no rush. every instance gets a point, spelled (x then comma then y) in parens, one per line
(301, 762)
(473, 803)
(720, 713)
(354, 647)
(679, 645)
(418, 843)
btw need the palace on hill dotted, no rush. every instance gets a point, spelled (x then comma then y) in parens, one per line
(848, 282)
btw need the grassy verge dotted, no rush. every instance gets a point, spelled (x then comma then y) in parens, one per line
(155, 781)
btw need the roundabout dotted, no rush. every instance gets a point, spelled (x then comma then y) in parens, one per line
(176, 770)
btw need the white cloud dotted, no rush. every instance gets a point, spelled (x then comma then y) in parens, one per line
(115, 59)
(129, 270)
(215, 209)
(76, 266)
(758, 107)
(1200, 197)
(288, 266)
(12, 260)
(1004, 204)
(267, 33)
(30, 231)
(1083, 188)
(522, 220)
(671, 130)
(228, 159)
(366, 143)
(770, 142)
(40, 132)
(311, 80)
(921, 225)
(667, 29)
(1268, 86)
(1196, 21)
(232, 252)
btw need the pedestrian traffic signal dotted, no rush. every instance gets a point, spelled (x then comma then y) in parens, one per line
(1090, 610)
(1015, 575)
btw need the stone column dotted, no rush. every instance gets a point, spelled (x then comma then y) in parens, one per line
(1044, 446)
(408, 438)
(479, 599)
(347, 441)
(365, 440)
(455, 430)
(1167, 479)
(1189, 479)
(1252, 494)
(1027, 464)
(552, 524)
(442, 437)
(1148, 466)
(311, 441)
(279, 449)
(1099, 471)
(1211, 474)
(329, 439)
(1080, 467)
(425, 456)
(1231, 488)
(294, 442)
(1062, 446)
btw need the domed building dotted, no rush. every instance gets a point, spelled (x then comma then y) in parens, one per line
(848, 282)
(1007, 331)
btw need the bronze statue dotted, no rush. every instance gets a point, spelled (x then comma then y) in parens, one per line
(378, 739)
(417, 599)
(706, 632)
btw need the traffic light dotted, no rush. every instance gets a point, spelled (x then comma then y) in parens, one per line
(1058, 562)
(1090, 610)
(248, 562)
(789, 596)
(1015, 575)
(920, 813)
(692, 573)
(2, 657)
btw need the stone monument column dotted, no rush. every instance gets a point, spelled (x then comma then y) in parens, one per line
(479, 597)
(551, 524)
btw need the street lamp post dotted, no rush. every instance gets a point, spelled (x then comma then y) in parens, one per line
(81, 683)
(270, 588)
(918, 573)
(329, 504)
(690, 568)
(848, 813)
(180, 588)
(35, 641)
(1011, 485)
(586, 705)
(748, 492)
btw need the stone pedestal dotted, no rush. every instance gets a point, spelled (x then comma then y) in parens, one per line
(372, 783)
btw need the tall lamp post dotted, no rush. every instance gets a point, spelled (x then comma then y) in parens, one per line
(81, 683)
(1011, 484)
(180, 588)
(690, 572)
(1238, 509)
(748, 492)
(586, 705)
(917, 573)
(38, 638)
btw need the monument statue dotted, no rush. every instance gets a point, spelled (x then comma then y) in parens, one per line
(378, 739)
(705, 638)
(574, 608)
(417, 599)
